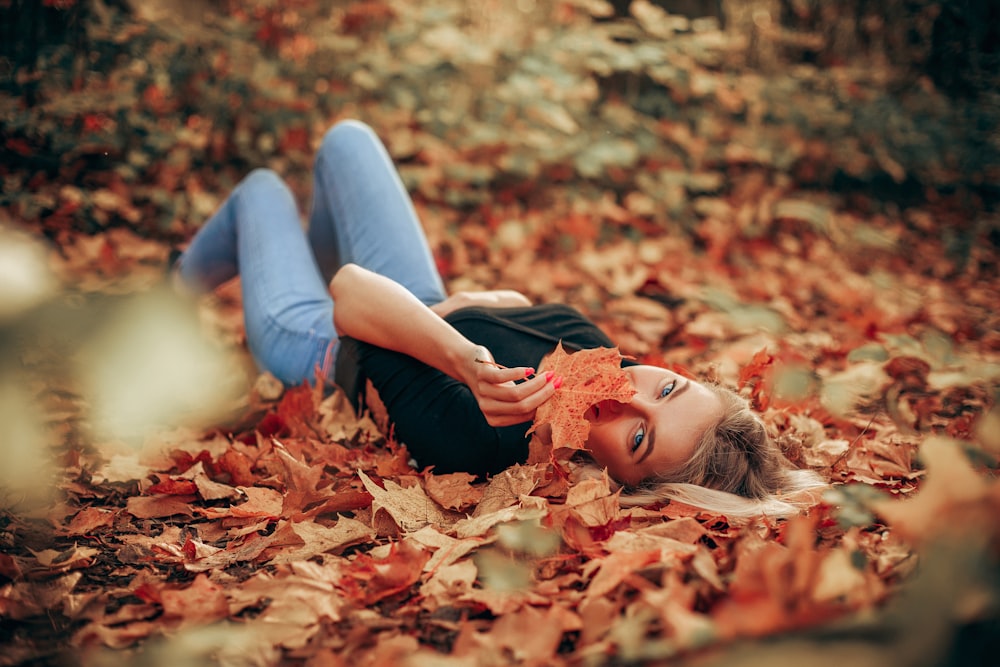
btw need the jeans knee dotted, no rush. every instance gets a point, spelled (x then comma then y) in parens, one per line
(263, 177)
(346, 137)
(263, 184)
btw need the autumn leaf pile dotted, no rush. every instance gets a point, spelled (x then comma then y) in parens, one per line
(639, 169)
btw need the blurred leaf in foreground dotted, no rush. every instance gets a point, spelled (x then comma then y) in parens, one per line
(25, 278)
(25, 476)
(150, 365)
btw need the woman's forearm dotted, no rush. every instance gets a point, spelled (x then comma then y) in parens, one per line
(377, 310)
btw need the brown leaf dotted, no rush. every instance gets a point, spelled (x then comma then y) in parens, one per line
(10, 566)
(453, 491)
(87, 520)
(506, 488)
(479, 525)
(685, 529)
(674, 604)
(953, 497)
(61, 561)
(410, 508)
(447, 583)
(206, 487)
(299, 476)
(615, 568)
(325, 539)
(250, 548)
(157, 507)
(299, 598)
(261, 502)
(529, 634)
(446, 549)
(24, 599)
(200, 603)
(121, 468)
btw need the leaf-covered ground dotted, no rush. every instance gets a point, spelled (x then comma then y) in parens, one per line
(816, 236)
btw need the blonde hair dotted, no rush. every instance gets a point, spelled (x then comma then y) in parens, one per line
(736, 469)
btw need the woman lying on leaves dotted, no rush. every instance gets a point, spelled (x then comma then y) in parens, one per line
(358, 296)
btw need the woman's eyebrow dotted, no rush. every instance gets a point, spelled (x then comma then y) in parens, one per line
(651, 438)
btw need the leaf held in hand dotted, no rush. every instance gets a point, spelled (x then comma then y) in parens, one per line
(589, 377)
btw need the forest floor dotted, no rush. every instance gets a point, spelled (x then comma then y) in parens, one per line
(820, 238)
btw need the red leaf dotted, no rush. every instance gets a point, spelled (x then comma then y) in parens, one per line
(237, 465)
(589, 377)
(757, 367)
(361, 16)
(273, 426)
(369, 580)
(758, 373)
(175, 487)
(183, 460)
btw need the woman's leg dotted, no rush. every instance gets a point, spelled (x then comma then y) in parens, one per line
(362, 214)
(287, 309)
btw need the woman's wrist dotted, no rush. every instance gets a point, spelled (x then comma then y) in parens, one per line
(459, 359)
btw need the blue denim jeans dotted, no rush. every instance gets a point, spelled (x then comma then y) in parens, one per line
(361, 214)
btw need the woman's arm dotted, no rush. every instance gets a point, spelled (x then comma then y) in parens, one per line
(377, 310)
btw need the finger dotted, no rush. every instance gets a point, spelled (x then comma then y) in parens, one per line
(494, 375)
(517, 411)
(512, 392)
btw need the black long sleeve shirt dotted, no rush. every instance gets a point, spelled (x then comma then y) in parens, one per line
(436, 416)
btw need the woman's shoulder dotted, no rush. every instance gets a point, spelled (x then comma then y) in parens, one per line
(545, 324)
(517, 314)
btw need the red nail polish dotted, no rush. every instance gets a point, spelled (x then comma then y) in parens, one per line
(528, 372)
(557, 382)
(548, 375)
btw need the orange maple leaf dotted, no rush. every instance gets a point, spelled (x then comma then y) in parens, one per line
(589, 377)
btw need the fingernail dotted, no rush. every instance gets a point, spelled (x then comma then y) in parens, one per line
(557, 382)
(548, 375)
(528, 372)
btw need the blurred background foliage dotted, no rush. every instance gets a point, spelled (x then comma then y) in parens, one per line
(892, 98)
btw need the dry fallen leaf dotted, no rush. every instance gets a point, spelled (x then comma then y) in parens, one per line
(409, 508)
(953, 498)
(454, 491)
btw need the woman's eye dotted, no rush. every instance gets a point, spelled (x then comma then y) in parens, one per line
(637, 439)
(669, 387)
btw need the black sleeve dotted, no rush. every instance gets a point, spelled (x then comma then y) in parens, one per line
(437, 417)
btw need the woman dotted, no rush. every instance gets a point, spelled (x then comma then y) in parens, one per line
(358, 297)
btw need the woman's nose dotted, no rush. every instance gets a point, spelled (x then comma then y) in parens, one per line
(638, 403)
(610, 409)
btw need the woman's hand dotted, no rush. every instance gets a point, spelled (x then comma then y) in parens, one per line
(504, 298)
(502, 399)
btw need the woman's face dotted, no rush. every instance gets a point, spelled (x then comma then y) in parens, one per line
(657, 431)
